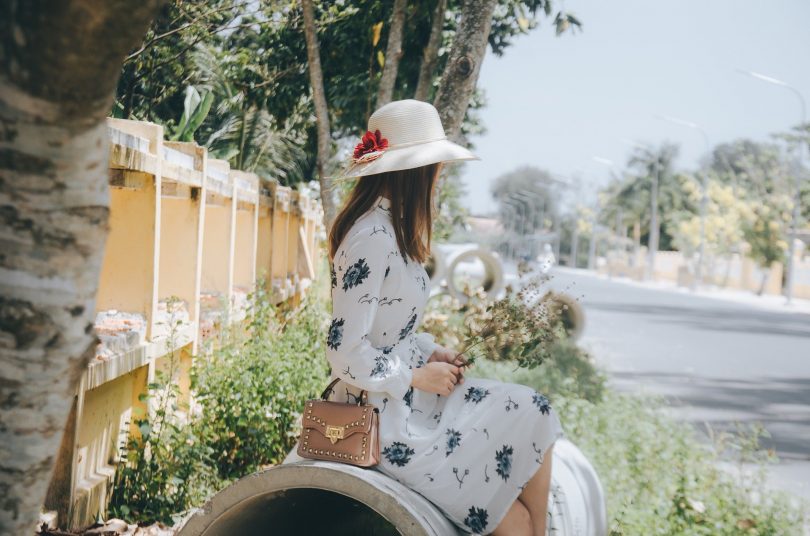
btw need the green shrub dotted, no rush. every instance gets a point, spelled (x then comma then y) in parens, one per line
(251, 391)
(248, 396)
(568, 371)
(164, 468)
(660, 478)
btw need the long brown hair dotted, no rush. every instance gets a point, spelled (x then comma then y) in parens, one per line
(412, 189)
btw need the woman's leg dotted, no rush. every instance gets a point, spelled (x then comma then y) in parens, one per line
(517, 522)
(535, 495)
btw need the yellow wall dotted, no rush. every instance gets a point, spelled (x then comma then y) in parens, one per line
(152, 252)
(243, 254)
(179, 219)
(265, 238)
(216, 248)
(292, 243)
(279, 251)
(127, 272)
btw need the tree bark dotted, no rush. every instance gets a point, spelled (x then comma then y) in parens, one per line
(430, 55)
(464, 64)
(328, 194)
(59, 66)
(393, 53)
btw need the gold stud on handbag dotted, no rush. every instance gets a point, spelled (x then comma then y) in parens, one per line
(340, 431)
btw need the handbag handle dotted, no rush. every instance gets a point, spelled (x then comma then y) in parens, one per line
(363, 393)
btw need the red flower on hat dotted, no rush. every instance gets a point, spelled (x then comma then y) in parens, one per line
(370, 147)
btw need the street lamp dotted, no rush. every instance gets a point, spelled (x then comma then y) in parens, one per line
(531, 199)
(704, 198)
(522, 214)
(620, 234)
(517, 208)
(566, 182)
(509, 224)
(654, 227)
(797, 201)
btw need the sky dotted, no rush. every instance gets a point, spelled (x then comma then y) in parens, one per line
(556, 102)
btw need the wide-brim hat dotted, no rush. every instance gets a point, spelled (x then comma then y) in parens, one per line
(403, 134)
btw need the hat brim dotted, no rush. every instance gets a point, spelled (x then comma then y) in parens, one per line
(412, 156)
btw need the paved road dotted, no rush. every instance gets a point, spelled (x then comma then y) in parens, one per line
(718, 361)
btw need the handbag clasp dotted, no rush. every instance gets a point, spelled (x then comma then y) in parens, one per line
(334, 433)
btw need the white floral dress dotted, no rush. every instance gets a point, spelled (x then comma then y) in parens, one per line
(471, 452)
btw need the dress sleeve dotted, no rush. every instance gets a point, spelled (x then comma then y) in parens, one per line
(358, 271)
(425, 341)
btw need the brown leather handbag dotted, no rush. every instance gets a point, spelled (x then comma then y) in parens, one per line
(340, 431)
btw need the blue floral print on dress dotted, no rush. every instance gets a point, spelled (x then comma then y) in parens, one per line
(408, 398)
(355, 275)
(335, 333)
(475, 394)
(408, 327)
(398, 453)
(453, 440)
(504, 459)
(542, 403)
(381, 366)
(333, 275)
(476, 519)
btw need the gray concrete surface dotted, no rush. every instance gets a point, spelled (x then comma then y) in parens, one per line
(717, 361)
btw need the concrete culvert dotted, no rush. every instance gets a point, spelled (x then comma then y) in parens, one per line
(313, 498)
(491, 275)
(305, 497)
(570, 312)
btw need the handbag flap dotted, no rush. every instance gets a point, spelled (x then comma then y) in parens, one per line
(351, 418)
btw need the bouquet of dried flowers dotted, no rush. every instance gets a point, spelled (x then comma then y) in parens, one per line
(523, 325)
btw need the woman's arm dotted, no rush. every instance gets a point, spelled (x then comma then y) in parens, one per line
(425, 341)
(359, 270)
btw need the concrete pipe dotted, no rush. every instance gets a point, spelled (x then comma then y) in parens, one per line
(571, 312)
(305, 497)
(492, 276)
(317, 497)
(576, 500)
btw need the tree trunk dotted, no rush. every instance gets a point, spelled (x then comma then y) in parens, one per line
(464, 64)
(430, 55)
(328, 194)
(393, 53)
(59, 65)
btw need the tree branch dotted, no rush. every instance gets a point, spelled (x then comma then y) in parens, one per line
(393, 53)
(430, 55)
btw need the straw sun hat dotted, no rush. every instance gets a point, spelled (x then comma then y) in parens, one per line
(403, 134)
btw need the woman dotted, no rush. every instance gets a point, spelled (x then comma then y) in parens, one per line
(479, 449)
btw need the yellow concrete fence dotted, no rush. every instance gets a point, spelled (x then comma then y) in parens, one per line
(189, 238)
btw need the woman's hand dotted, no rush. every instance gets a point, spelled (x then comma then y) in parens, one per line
(435, 377)
(446, 355)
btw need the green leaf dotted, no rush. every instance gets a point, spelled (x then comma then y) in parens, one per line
(381, 58)
(145, 429)
(198, 117)
(189, 104)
